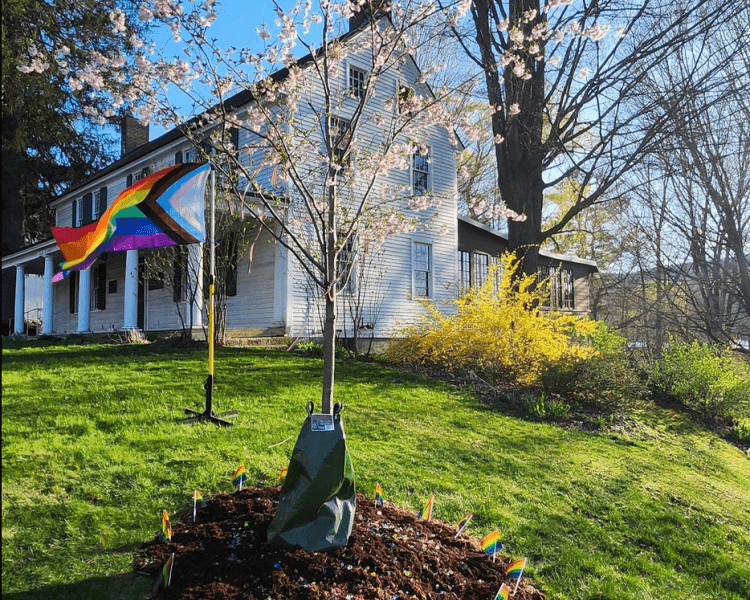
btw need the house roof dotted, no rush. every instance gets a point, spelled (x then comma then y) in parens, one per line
(551, 255)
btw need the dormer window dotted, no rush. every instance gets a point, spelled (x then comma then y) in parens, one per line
(356, 82)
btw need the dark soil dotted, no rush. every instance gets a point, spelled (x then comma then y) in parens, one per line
(390, 555)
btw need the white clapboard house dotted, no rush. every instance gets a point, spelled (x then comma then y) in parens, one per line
(270, 295)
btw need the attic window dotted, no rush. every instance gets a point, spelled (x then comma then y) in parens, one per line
(356, 82)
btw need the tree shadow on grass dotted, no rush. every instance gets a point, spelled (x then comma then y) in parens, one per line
(122, 586)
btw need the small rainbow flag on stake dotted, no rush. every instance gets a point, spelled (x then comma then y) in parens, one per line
(166, 526)
(239, 477)
(426, 513)
(502, 593)
(166, 571)
(491, 543)
(282, 475)
(462, 524)
(379, 496)
(515, 571)
(197, 501)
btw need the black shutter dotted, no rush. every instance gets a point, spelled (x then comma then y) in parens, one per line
(129, 180)
(101, 291)
(146, 172)
(75, 210)
(86, 208)
(178, 157)
(234, 137)
(102, 201)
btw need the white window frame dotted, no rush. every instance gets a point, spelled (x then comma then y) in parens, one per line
(358, 91)
(190, 155)
(428, 172)
(479, 279)
(340, 139)
(399, 86)
(430, 269)
(79, 211)
(95, 204)
(464, 271)
(351, 251)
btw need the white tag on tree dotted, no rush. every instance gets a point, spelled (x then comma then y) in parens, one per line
(321, 422)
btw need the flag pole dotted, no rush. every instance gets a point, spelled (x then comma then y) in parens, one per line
(519, 576)
(208, 414)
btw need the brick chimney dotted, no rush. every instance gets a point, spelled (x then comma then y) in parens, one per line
(132, 134)
(371, 7)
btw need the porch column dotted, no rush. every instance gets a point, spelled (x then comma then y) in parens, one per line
(20, 299)
(84, 301)
(130, 294)
(48, 296)
(195, 279)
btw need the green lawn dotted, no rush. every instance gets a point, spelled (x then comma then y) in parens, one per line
(93, 451)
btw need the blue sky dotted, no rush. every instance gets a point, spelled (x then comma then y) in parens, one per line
(235, 26)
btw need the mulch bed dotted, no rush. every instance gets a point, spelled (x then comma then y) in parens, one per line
(391, 555)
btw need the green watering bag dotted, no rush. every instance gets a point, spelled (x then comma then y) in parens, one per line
(317, 501)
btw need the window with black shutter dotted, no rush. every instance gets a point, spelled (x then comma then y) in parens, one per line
(129, 180)
(178, 157)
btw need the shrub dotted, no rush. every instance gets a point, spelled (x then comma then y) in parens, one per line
(605, 382)
(499, 335)
(705, 378)
(741, 430)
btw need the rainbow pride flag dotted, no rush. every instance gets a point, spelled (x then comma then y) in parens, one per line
(462, 524)
(197, 502)
(162, 209)
(166, 526)
(502, 593)
(491, 543)
(166, 571)
(239, 477)
(515, 569)
(379, 496)
(426, 513)
(282, 475)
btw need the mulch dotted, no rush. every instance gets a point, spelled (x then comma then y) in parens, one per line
(390, 555)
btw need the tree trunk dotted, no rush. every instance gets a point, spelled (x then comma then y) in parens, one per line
(520, 156)
(329, 351)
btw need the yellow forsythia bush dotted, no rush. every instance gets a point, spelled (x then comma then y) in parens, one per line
(496, 334)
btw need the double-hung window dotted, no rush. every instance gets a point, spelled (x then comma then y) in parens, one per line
(77, 212)
(481, 268)
(568, 289)
(345, 267)
(420, 172)
(340, 135)
(99, 204)
(422, 270)
(464, 271)
(356, 82)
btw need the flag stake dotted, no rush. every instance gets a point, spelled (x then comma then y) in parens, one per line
(208, 414)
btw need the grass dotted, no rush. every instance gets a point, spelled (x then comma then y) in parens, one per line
(92, 452)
